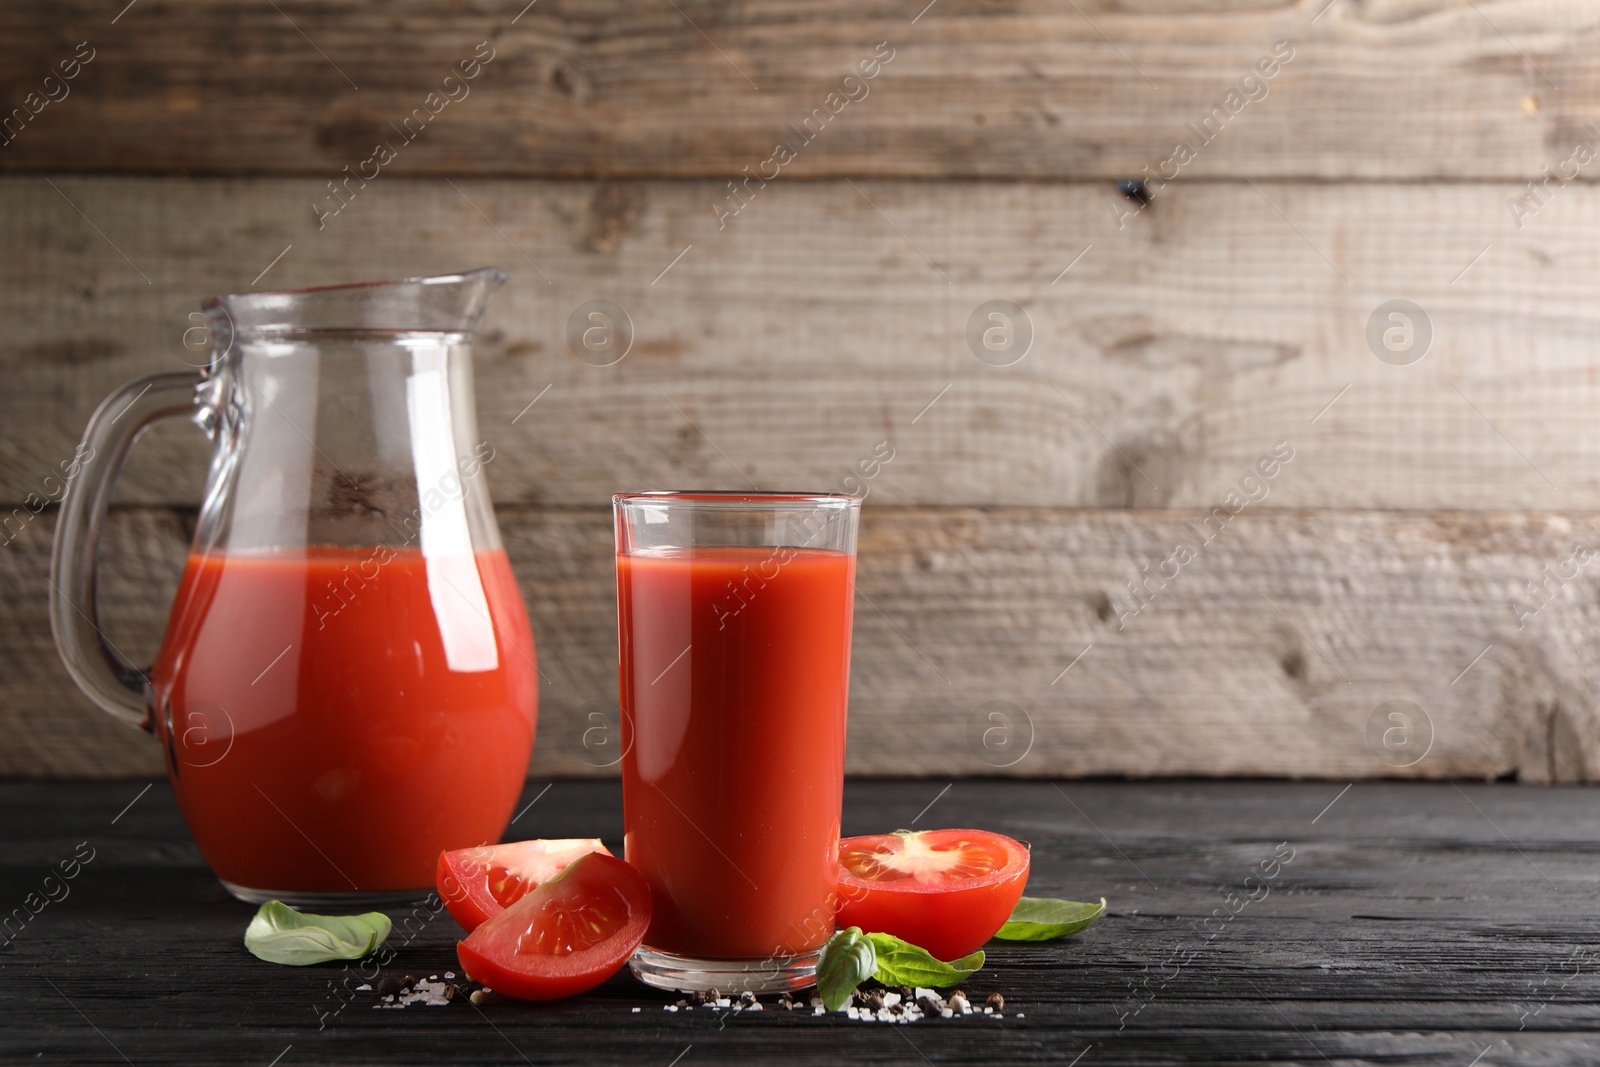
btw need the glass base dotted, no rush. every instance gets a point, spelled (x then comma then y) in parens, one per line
(329, 902)
(687, 974)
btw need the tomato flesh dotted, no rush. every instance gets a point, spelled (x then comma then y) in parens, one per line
(945, 890)
(478, 883)
(565, 936)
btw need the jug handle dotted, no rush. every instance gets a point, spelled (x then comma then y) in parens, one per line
(91, 659)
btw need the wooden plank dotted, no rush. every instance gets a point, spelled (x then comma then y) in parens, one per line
(1276, 651)
(1180, 346)
(1362, 948)
(1102, 89)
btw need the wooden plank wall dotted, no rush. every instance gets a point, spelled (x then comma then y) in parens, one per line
(783, 329)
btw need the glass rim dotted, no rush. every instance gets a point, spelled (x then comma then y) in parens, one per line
(385, 309)
(738, 499)
(478, 274)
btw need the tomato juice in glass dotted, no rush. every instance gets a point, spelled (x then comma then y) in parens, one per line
(734, 617)
(334, 718)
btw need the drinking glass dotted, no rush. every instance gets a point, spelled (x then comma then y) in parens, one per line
(733, 625)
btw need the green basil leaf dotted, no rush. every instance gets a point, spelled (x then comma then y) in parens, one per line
(279, 934)
(847, 960)
(902, 963)
(1046, 918)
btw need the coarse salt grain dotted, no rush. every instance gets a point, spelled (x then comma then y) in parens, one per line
(449, 974)
(891, 999)
(426, 992)
(363, 987)
(636, 1011)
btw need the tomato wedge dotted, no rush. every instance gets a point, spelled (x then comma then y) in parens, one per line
(566, 936)
(945, 890)
(478, 883)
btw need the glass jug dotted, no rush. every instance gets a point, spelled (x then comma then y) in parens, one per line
(346, 685)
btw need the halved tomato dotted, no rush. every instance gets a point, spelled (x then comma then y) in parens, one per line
(566, 936)
(477, 883)
(945, 890)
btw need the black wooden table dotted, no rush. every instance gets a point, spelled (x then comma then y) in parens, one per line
(1249, 922)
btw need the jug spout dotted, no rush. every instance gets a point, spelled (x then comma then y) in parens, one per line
(445, 303)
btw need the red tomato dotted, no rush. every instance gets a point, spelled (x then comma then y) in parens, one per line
(568, 935)
(945, 890)
(477, 883)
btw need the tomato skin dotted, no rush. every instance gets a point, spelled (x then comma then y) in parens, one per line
(948, 916)
(596, 886)
(478, 883)
(481, 968)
